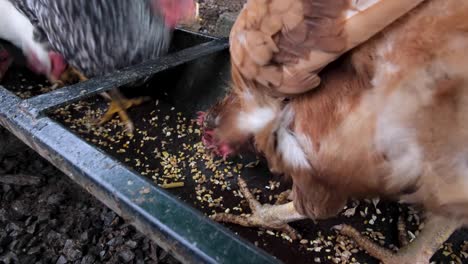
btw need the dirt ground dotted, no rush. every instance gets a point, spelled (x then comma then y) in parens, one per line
(210, 10)
(46, 218)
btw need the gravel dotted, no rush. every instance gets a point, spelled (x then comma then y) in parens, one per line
(52, 220)
(212, 10)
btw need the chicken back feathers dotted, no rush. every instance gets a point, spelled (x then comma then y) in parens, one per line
(389, 118)
(98, 37)
(283, 44)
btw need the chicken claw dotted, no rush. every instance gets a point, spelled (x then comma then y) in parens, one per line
(284, 197)
(69, 76)
(436, 231)
(274, 217)
(118, 105)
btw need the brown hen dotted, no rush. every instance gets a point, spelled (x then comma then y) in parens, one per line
(388, 119)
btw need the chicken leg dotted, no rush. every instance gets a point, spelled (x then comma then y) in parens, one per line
(275, 217)
(436, 231)
(118, 103)
(69, 76)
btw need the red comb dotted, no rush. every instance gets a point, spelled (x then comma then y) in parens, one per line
(58, 64)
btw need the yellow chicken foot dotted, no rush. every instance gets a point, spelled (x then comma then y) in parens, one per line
(284, 197)
(436, 231)
(273, 217)
(69, 76)
(118, 105)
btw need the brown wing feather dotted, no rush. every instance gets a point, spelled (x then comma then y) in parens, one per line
(283, 44)
(321, 28)
(271, 33)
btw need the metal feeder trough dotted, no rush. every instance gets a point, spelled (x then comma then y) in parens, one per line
(190, 78)
(176, 227)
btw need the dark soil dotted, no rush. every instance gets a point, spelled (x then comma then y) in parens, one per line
(46, 218)
(210, 10)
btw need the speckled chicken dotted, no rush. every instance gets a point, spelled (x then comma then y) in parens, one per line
(388, 119)
(99, 37)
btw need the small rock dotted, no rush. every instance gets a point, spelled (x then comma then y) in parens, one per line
(15, 233)
(55, 199)
(20, 180)
(55, 239)
(102, 254)
(138, 236)
(34, 250)
(32, 228)
(9, 196)
(70, 250)
(43, 217)
(125, 229)
(225, 23)
(109, 218)
(3, 215)
(6, 188)
(61, 260)
(12, 227)
(84, 237)
(53, 223)
(33, 241)
(146, 244)
(88, 259)
(114, 242)
(12, 245)
(131, 244)
(9, 257)
(29, 221)
(126, 255)
(154, 253)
